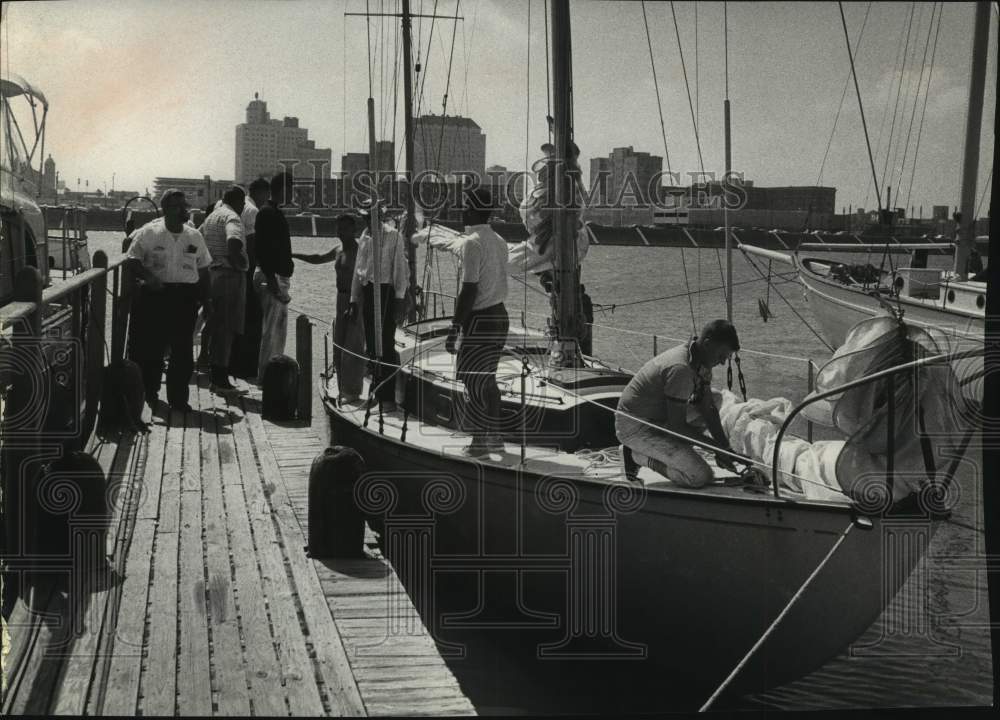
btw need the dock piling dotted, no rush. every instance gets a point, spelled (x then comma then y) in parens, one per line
(303, 355)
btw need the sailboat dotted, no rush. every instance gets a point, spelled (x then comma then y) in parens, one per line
(951, 303)
(588, 578)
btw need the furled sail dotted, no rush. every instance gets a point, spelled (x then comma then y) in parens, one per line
(928, 418)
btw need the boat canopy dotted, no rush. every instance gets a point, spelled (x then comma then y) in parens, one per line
(14, 85)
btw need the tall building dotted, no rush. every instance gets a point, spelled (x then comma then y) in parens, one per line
(261, 142)
(385, 161)
(449, 144)
(628, 172)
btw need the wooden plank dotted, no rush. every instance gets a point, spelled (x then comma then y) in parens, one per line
(298, 673)
(230, 686)
(75, 693)
(193, 676)
(261, 661)
(149, 508)
(436, 706)
(122, 688)
(159, 681)
(331, 657)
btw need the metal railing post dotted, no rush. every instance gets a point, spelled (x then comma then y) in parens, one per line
(94, 352)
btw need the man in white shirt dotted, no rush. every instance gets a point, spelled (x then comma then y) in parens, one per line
(393, 281)
(481, 317)
(223, 233)
(171, 260)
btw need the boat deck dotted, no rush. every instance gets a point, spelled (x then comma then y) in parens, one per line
(601, 465)
(213, 606)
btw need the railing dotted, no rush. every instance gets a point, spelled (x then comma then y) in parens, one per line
(889, 374)
(52, 350)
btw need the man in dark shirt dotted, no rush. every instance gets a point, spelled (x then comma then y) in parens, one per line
(273, 278)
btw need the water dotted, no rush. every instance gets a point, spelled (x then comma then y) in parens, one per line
(946, 663)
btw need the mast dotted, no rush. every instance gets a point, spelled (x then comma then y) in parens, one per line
(409, 220)
(973, 127)
(376, 230)
(565, 293)
(725, 179)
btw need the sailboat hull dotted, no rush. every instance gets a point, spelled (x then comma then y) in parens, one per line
(582, 579)
(838, 307)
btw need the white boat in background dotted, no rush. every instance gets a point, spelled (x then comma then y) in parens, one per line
(841, 295)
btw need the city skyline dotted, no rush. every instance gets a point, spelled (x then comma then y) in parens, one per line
(139, 115)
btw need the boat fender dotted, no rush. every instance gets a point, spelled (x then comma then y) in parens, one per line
(280, 389)
(122, 398)
(71, 511)
(336, 523)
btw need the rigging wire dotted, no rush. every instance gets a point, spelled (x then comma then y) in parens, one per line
(656, 85)
(397, 59)
(843, 96)
(789, 304)
(427, 58)
(885, 114)
(923, 111)
(861, 106)
(895, 107)
(913, 109)
(343, 102)
(548, 83)
(368, 26)
(982, 198)
(916, 100)
(786, 277)
(687, 87)
(697, 86)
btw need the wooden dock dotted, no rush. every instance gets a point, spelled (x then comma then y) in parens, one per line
(213, 606)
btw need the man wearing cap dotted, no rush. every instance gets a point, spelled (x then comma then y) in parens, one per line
(223, 233)
(481, 318)
(171, 260)
(274, 278)
(392, 278)
(673, 391)
(348, 332)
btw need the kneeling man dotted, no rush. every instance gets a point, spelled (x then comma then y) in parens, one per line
(663, 392)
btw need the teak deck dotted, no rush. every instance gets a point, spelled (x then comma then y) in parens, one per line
(214, 607)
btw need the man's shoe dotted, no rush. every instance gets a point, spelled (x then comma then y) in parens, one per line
(182, 407)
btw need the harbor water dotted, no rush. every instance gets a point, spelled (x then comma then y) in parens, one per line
(942, 661)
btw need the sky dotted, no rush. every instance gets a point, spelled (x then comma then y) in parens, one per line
(144, 88)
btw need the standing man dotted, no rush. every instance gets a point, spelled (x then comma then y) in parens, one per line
(223, 233)
(171, 260)
(274, 278)
(348, 331)
(481, 317)
(246, 347)
(674, 391)
(393, 281)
